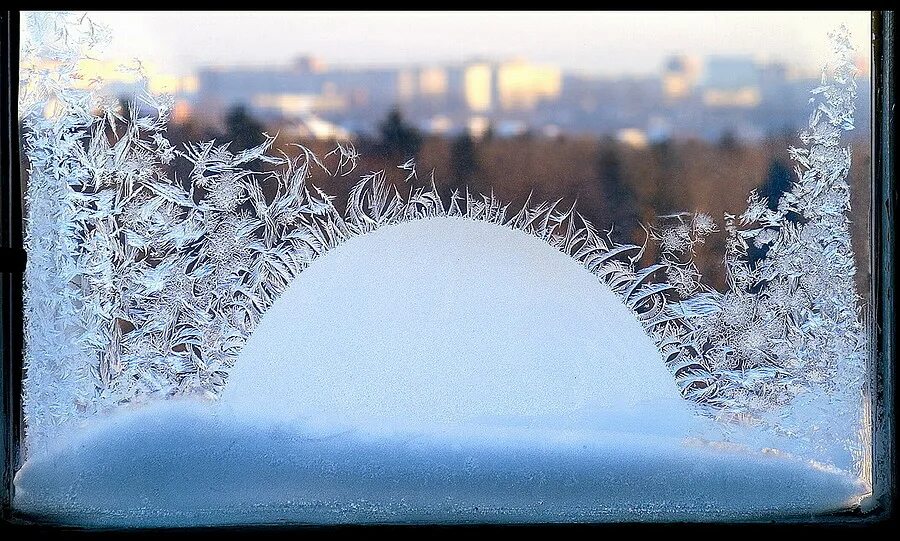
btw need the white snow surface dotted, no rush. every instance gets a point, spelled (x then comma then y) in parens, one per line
(446, 320)
(178, 463)
(442, 370)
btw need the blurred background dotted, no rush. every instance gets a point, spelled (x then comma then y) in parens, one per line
(635, 115)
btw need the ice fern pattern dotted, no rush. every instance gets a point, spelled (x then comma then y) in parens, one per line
(785, 346)
(143, 285)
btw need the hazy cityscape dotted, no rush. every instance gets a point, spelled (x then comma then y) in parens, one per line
(689, 97)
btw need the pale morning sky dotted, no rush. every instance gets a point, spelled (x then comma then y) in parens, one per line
(590, 42)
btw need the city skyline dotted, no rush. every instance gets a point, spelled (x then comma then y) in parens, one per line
(731, 95)
(605, 43)
(691, 88)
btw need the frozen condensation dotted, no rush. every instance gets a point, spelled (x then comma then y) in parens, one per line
(141, 285)
(144, 285)
(785, 346)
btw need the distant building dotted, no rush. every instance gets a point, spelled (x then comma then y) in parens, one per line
(632, 137)
(482, 87)
(679, 77)
(294, 105)
(478, 87)
(439, 125)
(659, 129)
(313, 127)
(304, 87)
(478, 126)
(433, 81)
(510, 128)
(309, 64)
(521, 85)
(731, 81)
(181, 111)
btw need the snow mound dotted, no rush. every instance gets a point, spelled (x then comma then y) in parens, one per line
(180, 463)
(446, 320)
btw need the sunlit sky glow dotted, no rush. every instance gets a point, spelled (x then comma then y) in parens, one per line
(610, 43)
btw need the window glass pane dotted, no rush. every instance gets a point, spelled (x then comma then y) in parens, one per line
(416, 267)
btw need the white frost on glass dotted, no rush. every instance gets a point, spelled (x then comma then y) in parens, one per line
(141, 286)
(785, 347)
(164, 279)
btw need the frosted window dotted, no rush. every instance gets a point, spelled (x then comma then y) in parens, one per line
(442, 290)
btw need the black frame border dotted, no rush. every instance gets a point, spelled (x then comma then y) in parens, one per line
(877, 510)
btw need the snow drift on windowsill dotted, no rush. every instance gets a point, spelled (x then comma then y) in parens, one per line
(181, 463)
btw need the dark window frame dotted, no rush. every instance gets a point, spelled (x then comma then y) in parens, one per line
(876, 510)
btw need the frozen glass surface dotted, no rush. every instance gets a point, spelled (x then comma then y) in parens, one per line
(214, 338)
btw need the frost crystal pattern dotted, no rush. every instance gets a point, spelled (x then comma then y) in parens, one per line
(142, 285)
(784, 346)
